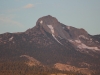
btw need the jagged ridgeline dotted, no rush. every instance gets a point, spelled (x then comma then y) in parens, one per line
(50, 48)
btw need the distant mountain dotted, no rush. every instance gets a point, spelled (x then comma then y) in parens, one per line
(54, 45)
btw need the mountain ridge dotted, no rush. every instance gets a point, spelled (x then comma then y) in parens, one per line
(51, 42)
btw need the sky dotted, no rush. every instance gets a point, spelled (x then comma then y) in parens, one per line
(20, 15)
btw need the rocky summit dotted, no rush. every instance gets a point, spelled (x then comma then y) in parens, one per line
(52, 45)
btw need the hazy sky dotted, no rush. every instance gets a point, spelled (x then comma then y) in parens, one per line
(20, 15)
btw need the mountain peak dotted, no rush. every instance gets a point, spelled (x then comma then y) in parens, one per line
(47, 20)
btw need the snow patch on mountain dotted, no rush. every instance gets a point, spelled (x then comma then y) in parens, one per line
(82, 36)
(52, 31)
(10, 39)
(41, 21)
(56, 39)
(81, 45)
(77, 41)
(51, 28)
